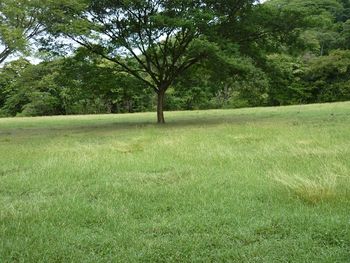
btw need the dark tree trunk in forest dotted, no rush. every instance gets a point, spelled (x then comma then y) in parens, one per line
(160, 106)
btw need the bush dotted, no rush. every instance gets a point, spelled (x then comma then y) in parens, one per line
(42, 104)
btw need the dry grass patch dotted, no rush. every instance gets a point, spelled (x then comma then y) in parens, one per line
(311, 189)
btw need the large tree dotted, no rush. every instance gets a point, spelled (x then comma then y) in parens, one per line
(153, 40)
(20, 23)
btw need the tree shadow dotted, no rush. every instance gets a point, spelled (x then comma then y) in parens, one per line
(134, 123)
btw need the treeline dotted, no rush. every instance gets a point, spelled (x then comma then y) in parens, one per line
(306, 61)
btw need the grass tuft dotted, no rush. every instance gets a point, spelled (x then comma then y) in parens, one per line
(322, 187)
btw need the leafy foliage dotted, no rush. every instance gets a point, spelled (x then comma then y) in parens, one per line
(20, 23)
(202, 54)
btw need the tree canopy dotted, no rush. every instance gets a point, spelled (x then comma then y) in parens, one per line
(20, 23)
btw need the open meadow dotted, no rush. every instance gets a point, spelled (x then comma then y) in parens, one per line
(245, 185)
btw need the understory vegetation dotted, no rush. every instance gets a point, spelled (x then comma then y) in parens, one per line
(244, 185)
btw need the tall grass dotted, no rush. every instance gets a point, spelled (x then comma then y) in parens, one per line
(320, 187)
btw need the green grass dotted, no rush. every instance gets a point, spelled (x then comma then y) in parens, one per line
(248, 185)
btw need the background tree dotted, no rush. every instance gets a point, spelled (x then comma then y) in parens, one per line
(81, 84)
(32, 90)
(328, 77)
(87, 79)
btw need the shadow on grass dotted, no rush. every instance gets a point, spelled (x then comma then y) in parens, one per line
(135, 122)
(178, 123)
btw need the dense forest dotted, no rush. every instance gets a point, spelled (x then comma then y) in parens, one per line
(120, 56)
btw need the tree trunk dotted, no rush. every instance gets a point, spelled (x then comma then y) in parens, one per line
(160, 106)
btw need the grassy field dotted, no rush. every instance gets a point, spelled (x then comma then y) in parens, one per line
(248, 185)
